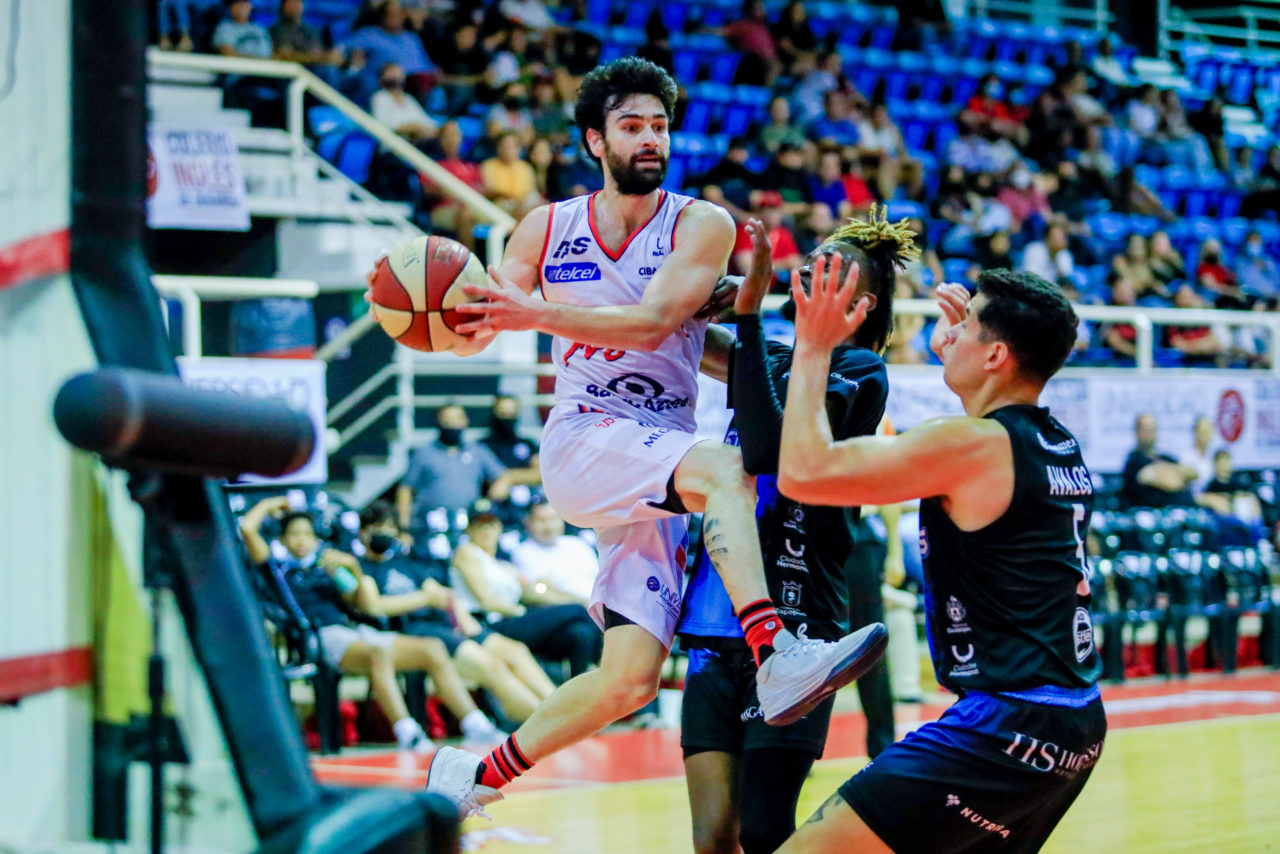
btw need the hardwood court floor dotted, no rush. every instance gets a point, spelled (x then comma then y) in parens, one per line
(1192, 765)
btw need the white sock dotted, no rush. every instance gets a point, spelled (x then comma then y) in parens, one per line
(783, 639)
(406, 730)
(475, 723)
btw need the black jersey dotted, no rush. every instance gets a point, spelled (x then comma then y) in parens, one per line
(1008, 605)
(804, 546)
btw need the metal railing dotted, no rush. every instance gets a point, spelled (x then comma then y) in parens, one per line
(1177, 26)
(1095, 14)
(190, 291)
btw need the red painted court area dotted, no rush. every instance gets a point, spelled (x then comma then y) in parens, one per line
(655, 754)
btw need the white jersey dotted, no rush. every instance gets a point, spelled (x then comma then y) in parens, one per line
(659, 388)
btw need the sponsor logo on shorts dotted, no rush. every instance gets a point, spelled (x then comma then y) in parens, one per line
(1082, 630)
(796, 520)
(639, 392)
(954, 801)
(1049, 758)
(956, 613)
(576, 271)
(669, 598)
(791, 591)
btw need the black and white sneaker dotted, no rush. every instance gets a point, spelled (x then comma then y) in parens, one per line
(794, 680)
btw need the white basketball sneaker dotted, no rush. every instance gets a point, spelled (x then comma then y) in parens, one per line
(794, 680)
(452, 774)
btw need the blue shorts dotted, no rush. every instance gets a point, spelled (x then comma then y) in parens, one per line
(992, 774)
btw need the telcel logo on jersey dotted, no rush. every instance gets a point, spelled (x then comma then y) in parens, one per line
(577, 271)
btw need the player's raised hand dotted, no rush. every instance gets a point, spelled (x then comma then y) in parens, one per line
(760, 276)
(503, 305)
(953, 299)
(825, 317)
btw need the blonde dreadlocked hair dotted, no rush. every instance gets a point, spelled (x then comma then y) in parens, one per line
(869, 234)
(881, 249)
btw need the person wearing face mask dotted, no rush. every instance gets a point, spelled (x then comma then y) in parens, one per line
(1025, 201)
(512, 115)
(326, 585)
(517, 453)
(1258, 273)
(449, 473)
(399, 111)
(501, 666)
(1213, 274)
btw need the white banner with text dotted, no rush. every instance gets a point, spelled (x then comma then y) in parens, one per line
(194, 180)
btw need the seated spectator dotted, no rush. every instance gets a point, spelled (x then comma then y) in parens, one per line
(1182, 144)
(1050, 128)
(752, 36)
(1134, 265)
(1197, 344)
(548, 172)
(981, 217)
(1229, 492)
(987, 112)
(1050, 258)
(1166, 262)
(792, 33)
(446, 212)
(1027, 203)
(1213, 274)
(509, 181)
(563, 564)
(1088, 110)
(1122, 338)
(1109, 69)
(880, 138)
(1199, 458)
(1095, 162)
(730, 183)
(786, 253)
(1151, 478)
(550, 117)
(1241, 170)
(1072, 197)
(512, 114)
(517, 453)
(503, 667)
(787, 175)
(174, 16)
(994, 254)
(840, 187)
(1258, 273)
(294, 40)
(814, 79)
(548, 623)
(906, 346)
(928, 259)
(1209, 123)
(657, 43)
(325, 583)
(462, 61)
(398, 111)
(1264, 193)
(780, 128)
(448, 472)
(387, 42)
(239, 36)
(838, 124)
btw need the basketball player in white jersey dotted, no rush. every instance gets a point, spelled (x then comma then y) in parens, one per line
(622, 273)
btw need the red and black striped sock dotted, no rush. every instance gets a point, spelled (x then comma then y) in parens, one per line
(503, 765)
(760, 623)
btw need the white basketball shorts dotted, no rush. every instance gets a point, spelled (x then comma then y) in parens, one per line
(610, 473)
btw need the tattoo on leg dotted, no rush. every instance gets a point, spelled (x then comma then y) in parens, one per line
(717, 549)
(831, 801)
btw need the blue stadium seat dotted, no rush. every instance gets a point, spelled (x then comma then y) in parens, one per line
(1110, 229)
(896, 210)
(637, 13)
(697, 117)
(1234, 231)
(737, 118)
(685, 65)
(724, 66)
(953, 269)
(324, 119)
(356, 155)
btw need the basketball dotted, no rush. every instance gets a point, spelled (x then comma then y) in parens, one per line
(417, 288)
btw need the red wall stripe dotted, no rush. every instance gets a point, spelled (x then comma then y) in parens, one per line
(34, 258)
(34, 674)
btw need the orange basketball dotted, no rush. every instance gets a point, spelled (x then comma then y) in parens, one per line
(417, 288)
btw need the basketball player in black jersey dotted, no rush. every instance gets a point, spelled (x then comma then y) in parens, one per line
(1006, 501)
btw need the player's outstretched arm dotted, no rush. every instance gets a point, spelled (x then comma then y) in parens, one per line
(703, 240)
(932, 459)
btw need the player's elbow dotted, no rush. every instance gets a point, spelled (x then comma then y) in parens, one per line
(795, 484)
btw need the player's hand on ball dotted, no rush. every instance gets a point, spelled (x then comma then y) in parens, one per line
(760, 276)
(503, 305)
(825, 317)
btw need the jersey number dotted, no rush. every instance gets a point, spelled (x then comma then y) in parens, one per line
(1082, 589)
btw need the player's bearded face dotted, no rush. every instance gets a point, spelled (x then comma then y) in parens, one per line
(639, 173)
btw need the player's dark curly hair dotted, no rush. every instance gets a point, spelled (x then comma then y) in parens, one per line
(606, 87)
(1032, 316)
